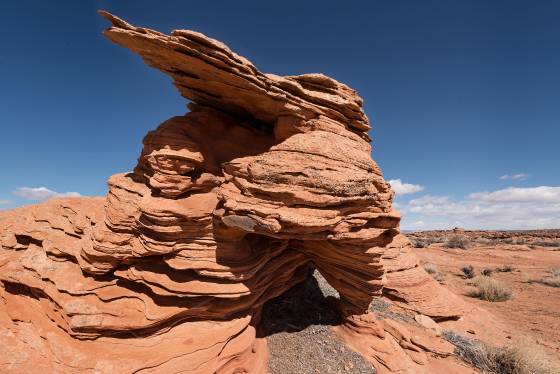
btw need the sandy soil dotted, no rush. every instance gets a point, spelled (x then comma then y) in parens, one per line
(296, 326)
(534, 310)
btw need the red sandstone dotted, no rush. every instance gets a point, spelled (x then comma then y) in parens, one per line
(265, 179)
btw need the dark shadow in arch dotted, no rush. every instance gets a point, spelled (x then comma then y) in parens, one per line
(303, 305)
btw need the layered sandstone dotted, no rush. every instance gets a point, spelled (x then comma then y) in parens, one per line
(264, 180)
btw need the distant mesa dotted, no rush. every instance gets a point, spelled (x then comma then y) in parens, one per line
(265, 180)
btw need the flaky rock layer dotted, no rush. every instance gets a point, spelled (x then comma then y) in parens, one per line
(264, 180)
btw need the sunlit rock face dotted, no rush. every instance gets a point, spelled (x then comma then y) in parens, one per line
(264, 180)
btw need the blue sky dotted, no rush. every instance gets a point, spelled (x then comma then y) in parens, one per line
(459, 93)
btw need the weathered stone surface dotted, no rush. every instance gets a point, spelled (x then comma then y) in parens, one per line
(264, 180)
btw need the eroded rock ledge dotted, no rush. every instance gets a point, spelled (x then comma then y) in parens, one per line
(264, 180)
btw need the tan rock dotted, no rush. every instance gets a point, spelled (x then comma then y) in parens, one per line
(428, 323)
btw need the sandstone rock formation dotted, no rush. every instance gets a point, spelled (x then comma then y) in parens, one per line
(264, 180)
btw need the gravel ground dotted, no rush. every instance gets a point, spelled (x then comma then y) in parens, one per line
(296, 326)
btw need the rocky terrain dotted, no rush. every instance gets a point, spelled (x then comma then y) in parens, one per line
(523, 261)
(257, 222)
(480, 238)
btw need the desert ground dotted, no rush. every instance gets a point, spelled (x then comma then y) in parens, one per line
(525, 262)
(521, 261)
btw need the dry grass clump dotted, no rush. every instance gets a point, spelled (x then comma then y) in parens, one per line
(458, 241)
(420, 242)
(468, 272)
(487, 272)
(490, 289)
(545, 243)
(524, 358)
(433, 271)
(425, 242)
(553, 280)
(505, 269)
(431, 268)
(484, 241)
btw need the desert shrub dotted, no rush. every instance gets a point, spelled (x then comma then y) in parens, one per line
(505, 269)
(425, 242)
(544, 243)
(553, 280)
(490, 289)
(433, 271)
(420, 242)
(438, 239)
(430, 268)
(468, 272)
(487, 272)
(483, 241)
(458, 241)
(524, 358)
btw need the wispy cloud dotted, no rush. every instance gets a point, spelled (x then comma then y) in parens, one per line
(429, 200)
(418, 224)
(514, 177)
(510, 208)
(401, 188)
(512, 195)
(5, 202)
(41, 193)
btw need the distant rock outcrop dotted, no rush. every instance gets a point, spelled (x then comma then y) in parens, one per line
(264, 180)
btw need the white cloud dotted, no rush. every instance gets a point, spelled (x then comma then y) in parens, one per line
(401, 188)
(515, 177)
(542, 194)
(510, 208)
(41, 193)
(428, 200)
(5, 202)
(418, 223)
